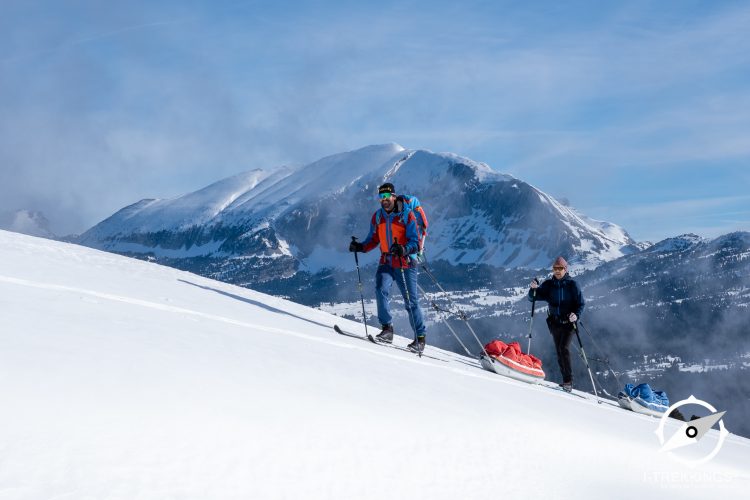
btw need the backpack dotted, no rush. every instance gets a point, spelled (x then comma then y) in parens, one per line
(407, 203)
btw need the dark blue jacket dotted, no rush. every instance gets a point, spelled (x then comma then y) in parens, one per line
(563, 296)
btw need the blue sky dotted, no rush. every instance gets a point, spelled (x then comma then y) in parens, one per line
(636, 112)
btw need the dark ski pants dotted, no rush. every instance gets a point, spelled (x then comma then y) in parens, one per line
(563, 336)
(384, 278)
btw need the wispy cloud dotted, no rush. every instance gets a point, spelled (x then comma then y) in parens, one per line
(157, 99)
(89, 39)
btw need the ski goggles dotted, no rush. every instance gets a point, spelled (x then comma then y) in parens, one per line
(558, 268)
(385, 196)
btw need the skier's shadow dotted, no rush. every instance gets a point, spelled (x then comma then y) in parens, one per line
(254, 303)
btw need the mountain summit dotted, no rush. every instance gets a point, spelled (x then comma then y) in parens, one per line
(267, 223)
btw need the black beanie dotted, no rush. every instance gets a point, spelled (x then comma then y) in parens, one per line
(387, 188)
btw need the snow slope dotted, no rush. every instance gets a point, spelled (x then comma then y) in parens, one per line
(123, 379)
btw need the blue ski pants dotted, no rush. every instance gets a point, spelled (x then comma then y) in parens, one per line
(384, 278)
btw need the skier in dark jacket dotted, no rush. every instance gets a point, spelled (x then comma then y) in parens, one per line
(566, 303)
(393, 230)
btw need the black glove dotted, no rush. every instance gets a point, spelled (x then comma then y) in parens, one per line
(398, 250)
(356, 246)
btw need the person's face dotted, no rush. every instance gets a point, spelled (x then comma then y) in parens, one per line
(387, 201)
(558, 271)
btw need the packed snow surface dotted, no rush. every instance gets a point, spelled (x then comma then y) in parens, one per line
(122, 379)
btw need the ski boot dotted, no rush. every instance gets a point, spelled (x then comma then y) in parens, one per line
(417, 345)
(567, 386)
(386, 334)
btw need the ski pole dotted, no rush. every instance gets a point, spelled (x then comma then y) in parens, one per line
(596, 379)
(445, 320)
(461, 315)
(596, 393)
(531, 323)
(359, 287)
(606, 362)
(408, 301)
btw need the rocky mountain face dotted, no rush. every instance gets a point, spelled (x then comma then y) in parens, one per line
(678, 287)
(260, 226)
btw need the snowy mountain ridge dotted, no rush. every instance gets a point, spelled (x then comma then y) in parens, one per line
(124, 379)
(246, 194)
(274, 223)
(678, 243)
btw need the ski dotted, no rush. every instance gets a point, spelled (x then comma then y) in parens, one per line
(370, 338)
(560, 389)
(350, 334)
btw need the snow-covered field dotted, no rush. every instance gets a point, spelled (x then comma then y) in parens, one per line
(123, 379)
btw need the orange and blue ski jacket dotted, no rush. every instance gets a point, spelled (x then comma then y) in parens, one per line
(384, 228)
